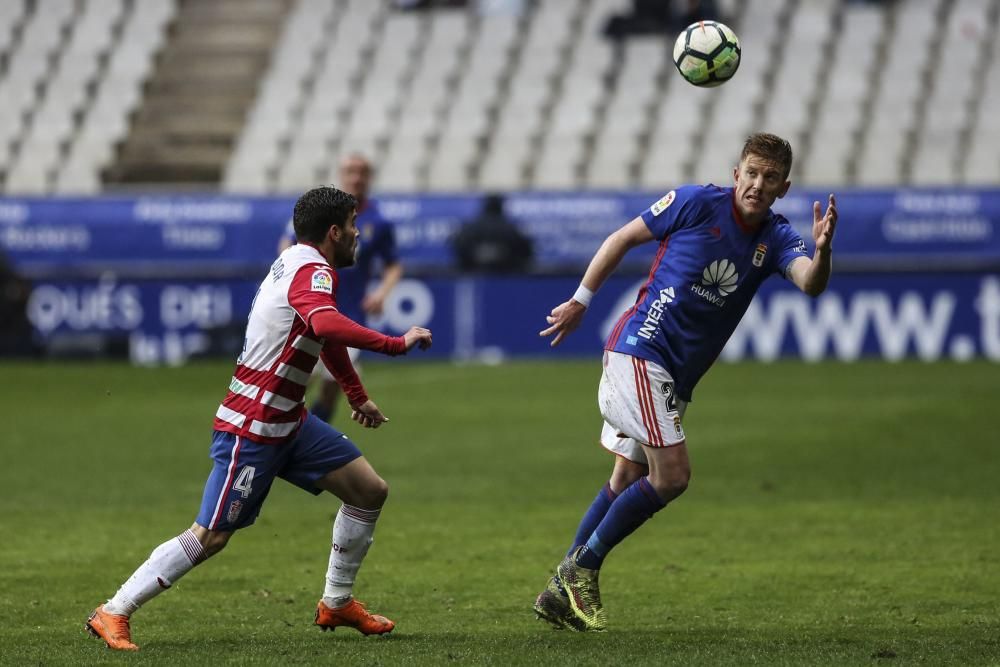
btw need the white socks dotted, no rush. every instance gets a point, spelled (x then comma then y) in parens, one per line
(352, 535)
(169, 562)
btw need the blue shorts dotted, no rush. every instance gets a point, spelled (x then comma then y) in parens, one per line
(244, 470)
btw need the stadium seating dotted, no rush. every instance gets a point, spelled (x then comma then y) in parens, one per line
(451, 99)
(840, 113)
(982, 166)
(937, 157)
(26, 90)
(575, 113)
(642, 64)
(90, 82)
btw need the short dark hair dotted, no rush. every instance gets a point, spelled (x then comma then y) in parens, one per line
(318, 210)
(771, 147)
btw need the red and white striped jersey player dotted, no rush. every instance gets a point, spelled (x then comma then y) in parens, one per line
(263, 431)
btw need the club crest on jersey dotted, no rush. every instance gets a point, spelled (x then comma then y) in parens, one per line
(663, 204)
(758, 255)
(322, 281)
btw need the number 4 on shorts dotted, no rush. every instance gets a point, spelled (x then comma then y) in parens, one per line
(244, 481)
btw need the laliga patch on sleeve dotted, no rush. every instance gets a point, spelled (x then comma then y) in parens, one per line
(322, 281)
(664, 203)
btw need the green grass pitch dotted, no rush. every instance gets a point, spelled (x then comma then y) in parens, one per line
(838, 514)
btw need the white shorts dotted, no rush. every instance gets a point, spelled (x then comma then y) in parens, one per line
(637, 401)
(320, 371)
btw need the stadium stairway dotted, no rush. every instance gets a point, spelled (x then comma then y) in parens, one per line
(197, 98)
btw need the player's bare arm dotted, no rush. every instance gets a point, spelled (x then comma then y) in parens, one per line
(567, 316)
(812, 275)
(375, 301)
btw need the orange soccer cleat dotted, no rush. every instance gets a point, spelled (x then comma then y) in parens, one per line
(353, 615)
(112, 628)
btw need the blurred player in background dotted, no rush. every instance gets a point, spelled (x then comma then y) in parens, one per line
(263, 431)
(377, 255)
(717, 245)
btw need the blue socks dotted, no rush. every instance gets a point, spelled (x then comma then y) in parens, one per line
(595, 513)
(631, 509)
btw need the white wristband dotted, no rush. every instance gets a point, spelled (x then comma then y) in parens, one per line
(583, 296)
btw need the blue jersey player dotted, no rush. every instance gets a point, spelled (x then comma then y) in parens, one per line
(377, 257)
(716, 246)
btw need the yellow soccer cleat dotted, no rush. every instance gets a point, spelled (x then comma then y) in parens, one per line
(552, 606)
(580, 584)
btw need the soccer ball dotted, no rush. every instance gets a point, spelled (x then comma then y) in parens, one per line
(707, 53)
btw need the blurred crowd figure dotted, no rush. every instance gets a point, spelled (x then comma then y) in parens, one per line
(651, 17)
(17, 337)
(492, 242)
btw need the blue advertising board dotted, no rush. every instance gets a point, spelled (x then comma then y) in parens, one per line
(891, 316)
(916, 273)
(156, 236)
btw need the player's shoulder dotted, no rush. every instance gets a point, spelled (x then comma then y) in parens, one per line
(711, 193)
(780, 226)
(778, 220)
(695, 194)
(313, 275)
(299, 256)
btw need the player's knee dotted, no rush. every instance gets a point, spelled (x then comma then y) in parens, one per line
(671, 483)
(625, 474)
(375, 493)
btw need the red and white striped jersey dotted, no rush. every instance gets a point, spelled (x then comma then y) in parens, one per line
(265, 399)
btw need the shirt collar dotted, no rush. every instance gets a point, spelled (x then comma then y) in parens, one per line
(312, 249)
(741, 223)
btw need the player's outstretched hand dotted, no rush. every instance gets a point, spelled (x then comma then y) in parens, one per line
(565, 318)
(368, 415)
(417, 336)
(823, 227)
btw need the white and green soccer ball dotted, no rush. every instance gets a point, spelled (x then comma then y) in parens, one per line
(707, 53)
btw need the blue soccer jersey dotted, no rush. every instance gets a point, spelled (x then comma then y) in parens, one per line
(376, 249)
(707, 269)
